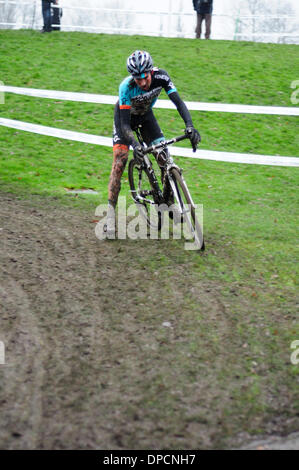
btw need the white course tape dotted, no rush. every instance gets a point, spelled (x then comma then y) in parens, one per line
(178, 151)
(163, 104)
(55, 132)
(275, 160)
(232, 108)
(60, 95)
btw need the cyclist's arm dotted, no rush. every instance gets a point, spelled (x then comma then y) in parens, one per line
(125, 111)
(125, 119)
(165, 81)
(182, 108)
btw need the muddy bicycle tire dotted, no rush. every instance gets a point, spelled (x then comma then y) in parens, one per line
(144, 195)
(190, 217)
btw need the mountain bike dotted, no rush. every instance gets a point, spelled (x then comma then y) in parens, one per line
(171, 195)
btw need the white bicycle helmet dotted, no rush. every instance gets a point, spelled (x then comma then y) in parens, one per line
(139, 63)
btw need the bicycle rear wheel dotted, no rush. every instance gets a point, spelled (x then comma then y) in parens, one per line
(144, 194)
(187, 208)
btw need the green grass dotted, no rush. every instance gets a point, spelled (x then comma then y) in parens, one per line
(234, 72)
(249, 204)
(217, 71)
(250, 211)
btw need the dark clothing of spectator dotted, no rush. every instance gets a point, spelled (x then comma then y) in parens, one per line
(204, 9)
(56, 15)
(47, 16)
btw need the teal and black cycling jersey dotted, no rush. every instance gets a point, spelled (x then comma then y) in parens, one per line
(134, 108)
(140, 101)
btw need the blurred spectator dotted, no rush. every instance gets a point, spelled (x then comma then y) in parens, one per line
(56, 15)
(47, 15)
(204, 9)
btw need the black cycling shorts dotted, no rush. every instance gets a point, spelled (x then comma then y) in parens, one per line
(150, 129)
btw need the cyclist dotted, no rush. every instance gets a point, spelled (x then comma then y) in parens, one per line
(137, 96)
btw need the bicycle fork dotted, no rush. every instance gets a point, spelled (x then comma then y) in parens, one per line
(182, 207)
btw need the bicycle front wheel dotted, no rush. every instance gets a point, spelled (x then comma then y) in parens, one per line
(187, 208)
(144, 194)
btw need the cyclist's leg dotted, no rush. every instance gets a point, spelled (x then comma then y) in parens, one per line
(152, 135)
(151, 131)
(120, 158)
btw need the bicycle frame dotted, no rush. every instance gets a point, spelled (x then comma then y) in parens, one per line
(169, 164)
(174, 196)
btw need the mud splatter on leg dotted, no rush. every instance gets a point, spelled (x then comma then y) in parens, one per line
(120, 158)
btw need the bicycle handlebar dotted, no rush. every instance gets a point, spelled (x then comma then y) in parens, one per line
(165, 143)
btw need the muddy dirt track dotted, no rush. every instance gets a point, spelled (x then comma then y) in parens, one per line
(87, 359)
